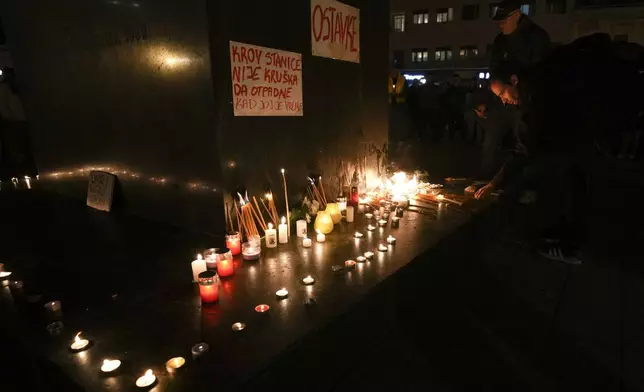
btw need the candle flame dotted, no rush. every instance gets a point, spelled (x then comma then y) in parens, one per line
(241, 199)
(282, 171)
(310, 179)
(269, 196)
(283, 220)
(77, 338)
(199, 256)
(270, 225)
(148, 373)
(440, 197)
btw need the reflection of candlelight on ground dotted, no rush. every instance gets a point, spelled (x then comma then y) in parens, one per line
(309, 280)
(79, 344)
(391, 240)
(174, 364)
(281, 293)
(383, 248)
(110, 365)
(146, 380)
(368, 255)
(238, 326)
(350, 264)
(262, 308)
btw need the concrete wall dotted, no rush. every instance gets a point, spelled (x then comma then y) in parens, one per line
(617, 21)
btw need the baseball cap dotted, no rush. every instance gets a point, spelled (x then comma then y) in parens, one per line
(505, 8)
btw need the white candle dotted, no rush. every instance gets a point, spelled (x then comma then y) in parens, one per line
(391, 240)
(321, 237)
(283, 231)
(306, 242)
(198, 266)
(383, 248)
(110, 365)
(368, 215)
(358, 234)
(281, 293)
(53, 308)
(79, 344)
(361, 259)
(146, 380)
(382, 223)
(301, 228)
(350, 264)
(371, 228)
(308, 280)
(350, 214)
(271, 236)
(368, 255)
(174, 364)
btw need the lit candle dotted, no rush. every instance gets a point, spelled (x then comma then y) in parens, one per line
(306, 242)
(283, 231)
(368, 215)
(333, 210)
(271, 236)
(210, 255)
(382, 223)
(288, 212)
(309, 280)
(323, 222)
(199, 350)
(342, 204)
(263, 308)
(383, 248)
(395, 222)
(358, 234)
(225, 265)
(208, 287)
(391, 240)
(321, 237)
(350, 264)
(198, 266)
(174, 364)
(350, 211)
(53, 309)
(251, 250)
(301, 228)
(110, 365)
(281, 293)
(79, 344)
(233, 242)
(361, 259)
(368, 255)
(146, 380)
(371, 228)
(238, 326)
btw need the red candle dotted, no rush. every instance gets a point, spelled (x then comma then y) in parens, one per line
(233, 242)
(225, 267)
(208, 287)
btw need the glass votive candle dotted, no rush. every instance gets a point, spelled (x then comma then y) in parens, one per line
(251, 251)
(233, 242)
(225, 266)
(53, 309)
(208, 287)
(210, 255)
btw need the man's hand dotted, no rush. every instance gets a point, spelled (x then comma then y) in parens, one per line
(484, 192)
(480, 111)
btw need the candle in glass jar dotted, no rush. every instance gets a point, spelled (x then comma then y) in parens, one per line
(233, 242)
(306, 242)
(210, 255)
(350, 211)
(198, 266)
(224, 263)
(251, 250)
(271, 236)
(321, 237)
(208, 287)
(283, 231)
(146, 380)
(342, 204)
(301, 228)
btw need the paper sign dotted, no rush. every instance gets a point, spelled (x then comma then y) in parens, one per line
(100, 190)
(266, 82)
(335, 30)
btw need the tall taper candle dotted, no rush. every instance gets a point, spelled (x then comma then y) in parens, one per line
(288, 213)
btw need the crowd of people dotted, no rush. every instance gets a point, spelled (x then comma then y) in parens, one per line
(549, 105)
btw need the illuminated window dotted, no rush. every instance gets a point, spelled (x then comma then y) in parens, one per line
(421, 17)
(469, 51)
(444, 15)
(399, 22)
(443, 54)
(470, 12)
(419, 55)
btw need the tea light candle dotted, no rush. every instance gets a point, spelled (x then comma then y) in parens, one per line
(321, 237)
(238, 326)
(53, 308)
(350, 264)
(146, 380)
(262, 308)
(198, 266)
(391, 240)
(301, 228)
(309, 280)
(395, 222)
(368, 255)
(368, 215)
(283, 231)
(200, 349)
(399, 212)
(4, 274)
(382, 223)
(250, 251)
(281, 293)
(271, 236)
(358, 234)
(306, 242)
(350, 214)
(110, 365)
(440, 197)
(383, 248)
(174, 364)
(79, 344)
(361, 259)
(371, 228)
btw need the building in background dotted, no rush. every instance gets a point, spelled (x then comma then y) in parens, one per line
(443, 37)
(623, 19)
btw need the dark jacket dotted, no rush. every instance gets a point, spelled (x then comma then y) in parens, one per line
(526, 46)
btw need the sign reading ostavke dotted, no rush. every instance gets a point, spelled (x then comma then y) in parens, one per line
(335, 30)
(266, 82)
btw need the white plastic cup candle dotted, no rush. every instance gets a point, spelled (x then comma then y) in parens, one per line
(53, 309)
(368, 255)
(321, 237)
(309, 280)
(301, 228)
(395, 222)
(361, 259)
(271, 236)
(391, 240)
(79, 344)
(358, 234)
(382, 223)
(368, 215)
(110, 365)
(198, 266)
(238, 326)
(371, 228)
(174, 364)
(350, 213)
(281, 293)
(306, 242)
(383, 248)
(350, 264)
(199, 350)
(283, 231)
(146, 379)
